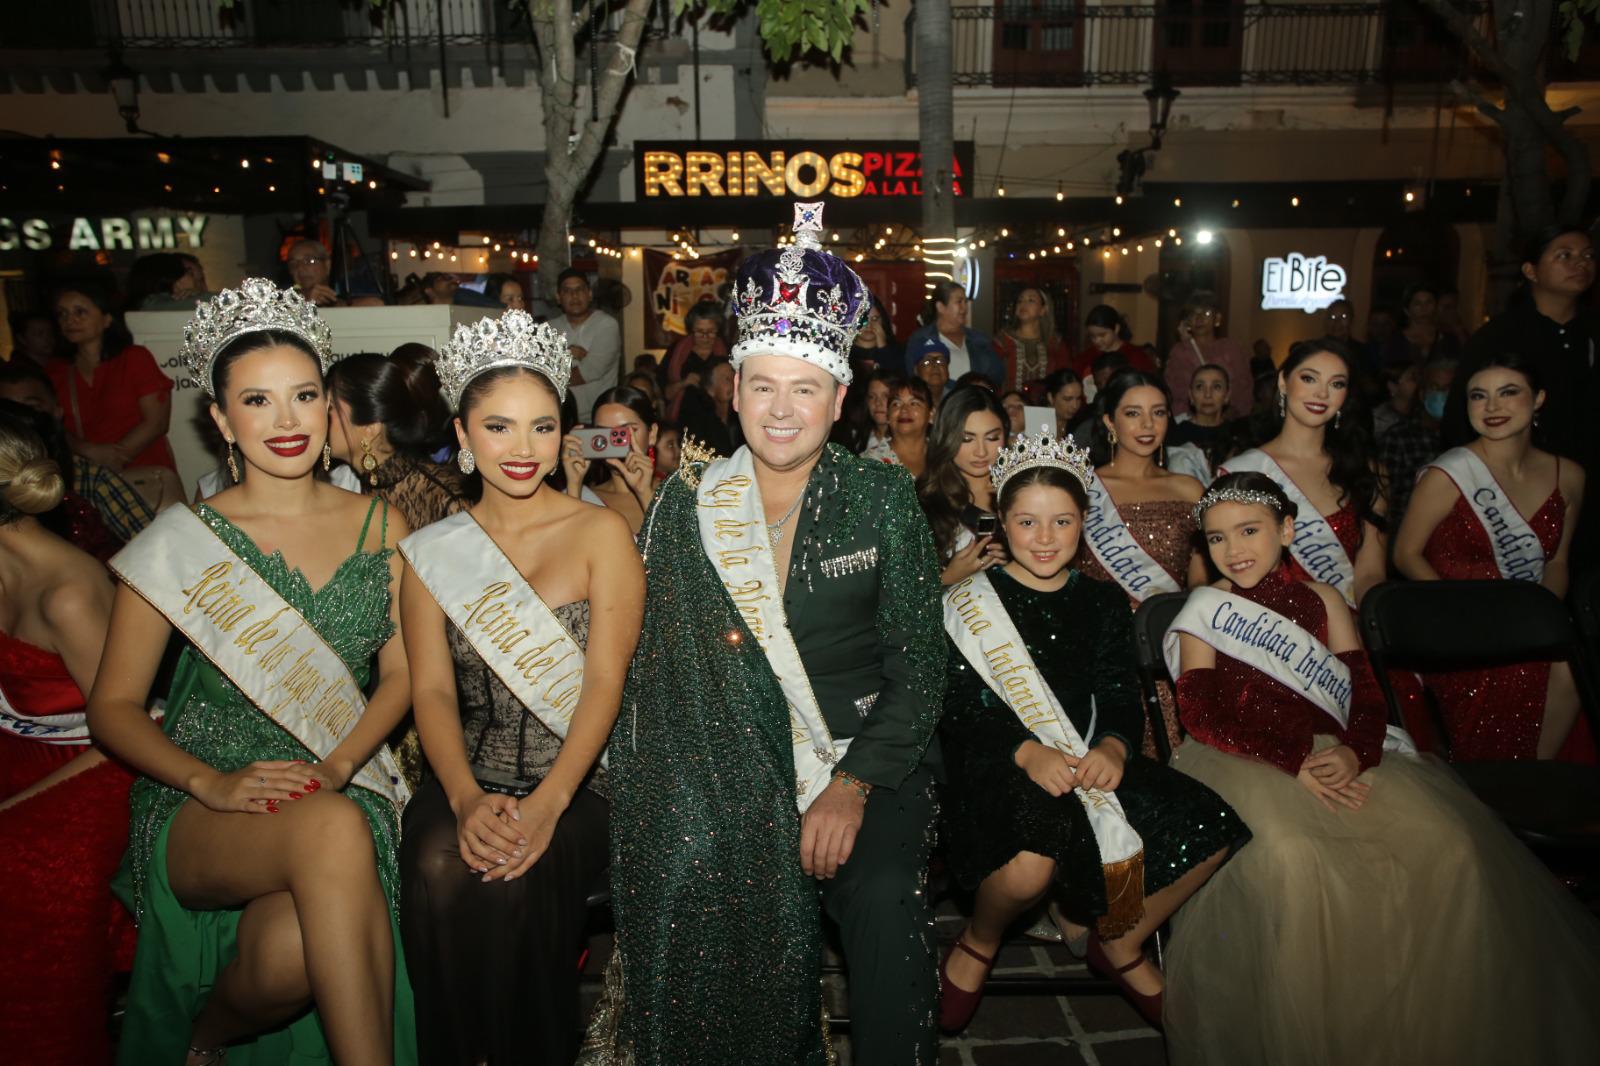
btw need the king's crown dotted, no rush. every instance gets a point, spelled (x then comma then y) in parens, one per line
(1041, 449)
(256, 305)
(513, 339)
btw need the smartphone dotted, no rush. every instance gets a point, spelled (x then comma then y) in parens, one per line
(987, 525)
(600, 442)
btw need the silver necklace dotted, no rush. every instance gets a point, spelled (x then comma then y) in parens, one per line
(775, 530)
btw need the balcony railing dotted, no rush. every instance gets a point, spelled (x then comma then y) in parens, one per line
(1066, 43)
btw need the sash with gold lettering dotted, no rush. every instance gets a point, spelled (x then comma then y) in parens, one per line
(1277, 646)
(733, 530)
(504, 620)
(1123, 557)
(981, 629)
(249, 632)
(1518, 552)
(1316, 546)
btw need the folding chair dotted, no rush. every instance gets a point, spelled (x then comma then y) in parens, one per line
(1441, 625)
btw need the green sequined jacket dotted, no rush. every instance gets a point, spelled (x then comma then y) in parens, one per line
(718, 927)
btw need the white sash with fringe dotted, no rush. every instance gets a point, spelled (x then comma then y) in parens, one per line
(1518, 553)
(249, 632)
(504, 620)
(733, 531)
(1316, 547)
(1119, 552)
(977, 622)
(1282, 649)
(71, 728)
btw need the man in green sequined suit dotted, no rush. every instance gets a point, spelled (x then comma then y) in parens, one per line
(717, 876)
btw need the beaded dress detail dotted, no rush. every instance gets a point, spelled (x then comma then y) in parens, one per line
(1164, 528)
(180, 950)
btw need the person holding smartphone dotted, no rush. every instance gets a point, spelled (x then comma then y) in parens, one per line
(618, 466)
(955, 490)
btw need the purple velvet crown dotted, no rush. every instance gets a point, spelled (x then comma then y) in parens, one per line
(800, 301)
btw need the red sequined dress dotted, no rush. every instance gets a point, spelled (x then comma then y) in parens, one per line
(1413, 930)
(1492, 713)
(64, 934)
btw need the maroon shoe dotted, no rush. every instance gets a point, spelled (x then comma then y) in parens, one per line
(957, 1005)
(1148, 1006)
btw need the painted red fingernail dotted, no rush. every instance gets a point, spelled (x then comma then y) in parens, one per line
(313, 785)
(272, 807)
(294, 795)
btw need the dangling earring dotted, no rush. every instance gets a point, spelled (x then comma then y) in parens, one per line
(369, 462)
(465, 461)
(233, 465)
(1111, 436)
(1161, 461)
(327, 457)
(1337, 415)
(1283, 405)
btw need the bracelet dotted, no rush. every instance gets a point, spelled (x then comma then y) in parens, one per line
(861, 787)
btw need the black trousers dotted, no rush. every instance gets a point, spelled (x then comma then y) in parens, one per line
(879, 898)
(494, 967)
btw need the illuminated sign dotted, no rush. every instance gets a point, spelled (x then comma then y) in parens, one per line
(787, 169)
(157, 234)
(1296, 282)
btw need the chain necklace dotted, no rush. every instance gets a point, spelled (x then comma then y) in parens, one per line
(775, 530)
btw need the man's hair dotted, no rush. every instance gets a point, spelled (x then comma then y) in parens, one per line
(572, 272)
(309, 242)
(20, 370)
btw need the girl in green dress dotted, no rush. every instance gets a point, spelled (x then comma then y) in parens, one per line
(262, 878)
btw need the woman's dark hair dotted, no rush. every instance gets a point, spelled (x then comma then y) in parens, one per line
(1051, 476)
(854, 427)
(888, 323)
(1347, 440)
(911, 384)
(941, 294)
(494, 284)
(634, 400)
(116, 336)
(400, 391)
(707, 309)
(1056, 380)
(1513, 361)
(1218, 367)
(1413, 291)
(1539, 243)
(255, 341)
(1104, 316)
(1100, 447)
(1254, 481)
(1004, 396)
(483, 383)
(941, 487)
(153, 275)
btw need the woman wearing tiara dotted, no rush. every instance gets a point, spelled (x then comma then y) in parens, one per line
(63, 804)
(1047, 793)
(1322, 457)
(264, 834)
(1381, 914)
(521, 615)
(1498, 508)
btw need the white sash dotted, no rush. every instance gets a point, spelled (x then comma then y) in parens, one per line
(1119, 552)
(1282, 649)
(1316, 547)
(979, 626)
(65, 729)
(249, 632)
(1517, 550)
(504, 620)
(733, 530)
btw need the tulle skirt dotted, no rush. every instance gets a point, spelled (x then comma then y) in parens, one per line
(1416, 930)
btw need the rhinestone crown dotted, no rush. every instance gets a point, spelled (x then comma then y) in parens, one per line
(1041, 449)
(1216, 496)
(513, 339)
(256, 305)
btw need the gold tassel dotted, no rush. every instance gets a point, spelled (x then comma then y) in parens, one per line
(1124, 897)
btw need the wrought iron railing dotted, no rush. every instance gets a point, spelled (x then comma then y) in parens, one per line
(1044, 43)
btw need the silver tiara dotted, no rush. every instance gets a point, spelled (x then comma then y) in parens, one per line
(257, 304)
(513, 339)
(1216, 496)
(1042, 449)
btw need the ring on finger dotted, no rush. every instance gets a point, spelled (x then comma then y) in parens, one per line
(261, 781)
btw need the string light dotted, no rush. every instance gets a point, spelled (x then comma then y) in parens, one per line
(735, 237)
(372, 184)
(1172, 233)
(1116, 231)
(1119, 199)
(1123, 249)
(1069, 246)
(1004, 232)
(1106, 254)
(1177, 201)
(1236, 203)
(244, 164)
(999, 185)
(1294, 201)
(1060, 193)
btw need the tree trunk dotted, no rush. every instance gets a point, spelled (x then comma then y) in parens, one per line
(573, 142)
(936, 122)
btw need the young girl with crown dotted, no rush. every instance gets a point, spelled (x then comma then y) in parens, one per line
(1382, 914)
(520, 617)
(263, 836)
(1047, 791)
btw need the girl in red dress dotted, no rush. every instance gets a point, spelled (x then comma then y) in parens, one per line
(1530, 499)
(63, 806)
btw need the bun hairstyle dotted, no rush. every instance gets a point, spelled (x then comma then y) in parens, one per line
(400, 391)
(30, 481)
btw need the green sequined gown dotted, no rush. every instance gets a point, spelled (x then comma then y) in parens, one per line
(181, 951)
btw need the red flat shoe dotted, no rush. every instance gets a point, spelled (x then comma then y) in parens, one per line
(957, 1005)
(1148, 1005)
